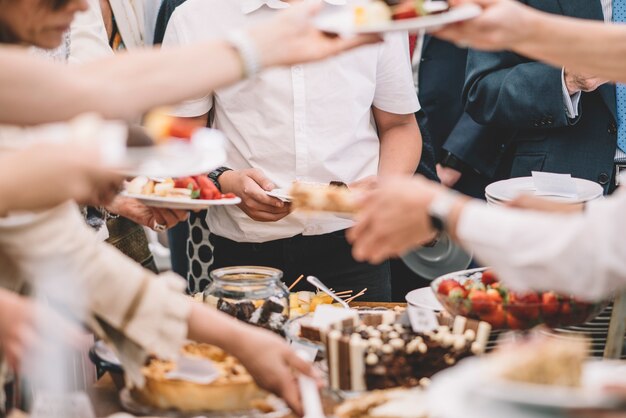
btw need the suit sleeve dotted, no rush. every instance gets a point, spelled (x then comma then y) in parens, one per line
(479, 146)
(506, 90)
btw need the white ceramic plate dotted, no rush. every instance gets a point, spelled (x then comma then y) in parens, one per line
(589, 396)
(506, 190)
(181, 203)
(205, 152)
(282, 194)
(341, 20)
(424, 298)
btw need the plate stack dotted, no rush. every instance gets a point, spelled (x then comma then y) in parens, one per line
(504, 191)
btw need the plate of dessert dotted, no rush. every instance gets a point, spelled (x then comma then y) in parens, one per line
(479, 294)
(334, 198)
(184, 193)
(225, 390)
(381, 16)
(543, 371)
(174, 147)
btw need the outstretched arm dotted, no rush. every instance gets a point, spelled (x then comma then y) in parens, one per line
(583, 46)
(35, 91)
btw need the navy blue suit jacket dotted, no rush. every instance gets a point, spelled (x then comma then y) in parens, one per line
(441, 78)
(508, 90)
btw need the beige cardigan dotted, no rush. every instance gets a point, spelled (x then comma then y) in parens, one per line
(136, 311)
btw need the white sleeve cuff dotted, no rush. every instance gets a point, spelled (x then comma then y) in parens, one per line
(571, 101)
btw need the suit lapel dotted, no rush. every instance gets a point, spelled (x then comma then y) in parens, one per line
(591, 9)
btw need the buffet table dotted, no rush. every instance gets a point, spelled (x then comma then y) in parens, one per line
(105, 396)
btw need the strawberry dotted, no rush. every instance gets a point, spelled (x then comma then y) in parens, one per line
(406, 10)
(447, 285)
(208, 191)
(489, 277)
(229, 196)
(494, 295)
(186, 183)
(497, 318)
(181, 128)
(513, 322)
(524, 305)
(550, 304)
(481, 303)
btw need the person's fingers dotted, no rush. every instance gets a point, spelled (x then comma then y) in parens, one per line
(253, 204)
(181, 215)
(261, 180)
(300, 365)
(291, 394)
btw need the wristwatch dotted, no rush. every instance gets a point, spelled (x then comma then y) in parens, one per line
(440, 209)
(452, 161)
(215, 175)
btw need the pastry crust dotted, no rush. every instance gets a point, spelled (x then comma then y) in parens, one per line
(322, 198)
(234, 390)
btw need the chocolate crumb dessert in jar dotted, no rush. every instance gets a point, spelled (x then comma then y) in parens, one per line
(252, 294)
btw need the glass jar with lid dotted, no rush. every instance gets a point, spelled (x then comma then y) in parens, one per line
(253, 294)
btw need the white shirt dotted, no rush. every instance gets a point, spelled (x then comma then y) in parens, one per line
(584, 255)
(572, 101)
(309, 122)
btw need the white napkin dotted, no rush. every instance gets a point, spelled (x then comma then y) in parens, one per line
(552, 184)
(194, 370)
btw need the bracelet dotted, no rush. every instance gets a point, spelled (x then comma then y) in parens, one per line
(248, 52)
(106, 215)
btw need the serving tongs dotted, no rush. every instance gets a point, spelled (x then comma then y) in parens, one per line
(321, 286)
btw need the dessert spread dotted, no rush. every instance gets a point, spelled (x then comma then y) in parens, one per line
(382, 351)
(233, 388)
(390, 403)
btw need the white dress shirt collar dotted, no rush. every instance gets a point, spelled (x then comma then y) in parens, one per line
(249, 6)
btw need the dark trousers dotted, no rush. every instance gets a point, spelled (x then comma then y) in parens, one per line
(328, 257)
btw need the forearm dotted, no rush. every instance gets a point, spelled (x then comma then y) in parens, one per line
(400, 149)
(214, 327)
(141, 80)
(573, 254)
(600, 49)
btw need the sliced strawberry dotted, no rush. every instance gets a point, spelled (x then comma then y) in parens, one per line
(208, 191)
(405, 10)
(186, 182)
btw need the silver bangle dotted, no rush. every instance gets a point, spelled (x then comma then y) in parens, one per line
(248, 52)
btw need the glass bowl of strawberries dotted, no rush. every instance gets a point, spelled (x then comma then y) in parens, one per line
(479, 294)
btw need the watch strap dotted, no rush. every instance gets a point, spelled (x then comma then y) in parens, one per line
(215, 175)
